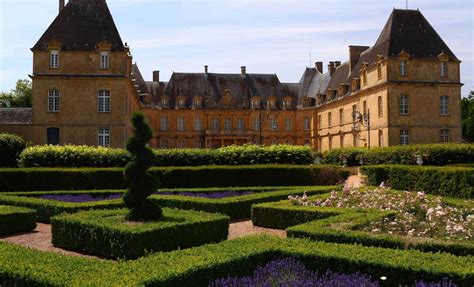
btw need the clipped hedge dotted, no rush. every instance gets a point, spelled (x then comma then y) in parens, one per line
(108, 233)
(202, 264)
(432, 154)
(16, 219)
(445, 181)
(39, 179)
(87, 156)
(10, 148)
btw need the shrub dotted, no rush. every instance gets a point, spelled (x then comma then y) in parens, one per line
(109, 234)
(38, 179)
(444, 181)
(10, 148)
(337, 156)
(16, 219)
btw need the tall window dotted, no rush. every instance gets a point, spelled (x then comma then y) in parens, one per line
(104, 101)
(380, 107)
(307, 124)
(227, 124)
(364, 77)
(379, 71)
(53, 101)
(354, 109)
(319, 121)
(443, 69)
(403, 68)
(164, 102)
(256, 124)
(404, 104)
(198, 143)
(240, 124)
(273, 124)
(54, 59)
(215, 124)
(341, 140)
(444, 135)
(181, 143)
(52, 135)
(180, 123)
(444, 105)
(329, 119)
(197, 124)
(404, 137)
(288, 124)
(164, 143)
(355, 140)
(364, 107)
(104, 60)
(380, 138)
(182, 103)
(341, 116)
(330, 142)
(256, 103)
(164, 125)
(104, 137)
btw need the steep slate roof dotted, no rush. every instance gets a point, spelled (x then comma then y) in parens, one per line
(405, 30)
(81, 25)
(211, 88)
(142, 86)
(313, 83)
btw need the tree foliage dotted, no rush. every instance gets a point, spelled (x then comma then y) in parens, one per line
(19, 97)
(141, 183)
(467, 111)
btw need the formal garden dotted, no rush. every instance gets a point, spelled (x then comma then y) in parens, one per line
(235, 216)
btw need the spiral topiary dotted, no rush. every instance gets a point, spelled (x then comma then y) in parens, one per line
(140, 182)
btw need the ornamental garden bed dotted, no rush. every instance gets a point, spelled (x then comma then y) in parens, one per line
(204, 264)
(235, 202)
(109, 234)
(375, 217)
(16, 219)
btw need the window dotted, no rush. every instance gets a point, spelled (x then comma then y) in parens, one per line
(198, 143)
(364, 107)
(329, 119)
(53, 101)
(255, 103)
(355, 140)
(341, 116)
(104, 137)
(354, 109)
(288, 124)
(227, 124)
(271, 104)
(319, 121)
(181, 143)
(320, 144)
(104, 101)
(197, 102)
(287, 104)
(444, 105)
(54, 59)
(164, 143)
(256, 124)
(273, 141)
(197, 124)
(330, 142)
(364, 77)
(164, 102)
(52, 135)
(379, 71)
(380, 138)
(443, 69)
(341, 140)
(180, 123)
(404, 105)
(181, 102)
(164, 124)
(215, 124)
(403, 68)
(273, 124)
(404, 137)
(307, 124)
(104, 60)
(240, 124)
(444, 135)
(288, 142)
(380, 107)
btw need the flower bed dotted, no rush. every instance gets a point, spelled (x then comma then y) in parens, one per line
(16, 219)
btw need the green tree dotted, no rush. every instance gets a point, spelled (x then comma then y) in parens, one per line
(19, 97)
(141, 183)
(467, 112)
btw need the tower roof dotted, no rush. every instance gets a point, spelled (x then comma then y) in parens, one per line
(80, 26)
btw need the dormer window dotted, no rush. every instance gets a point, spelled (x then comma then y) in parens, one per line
(355, 84)
(104, 60)
(364, 77)
(379, 71)
(181, 102)
(403, 68)
(271, 103)
(54, 59)
(443, 69)
(287, 103)
(255, 103)
(164, 102)
(307, 102)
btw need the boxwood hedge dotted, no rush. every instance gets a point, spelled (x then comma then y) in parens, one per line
(444, 181)
(39, 179)
(199, 265)
(10, 148)
(16, 219)
(108, 233)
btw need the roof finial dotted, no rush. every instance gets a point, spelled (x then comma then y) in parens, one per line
(310, 54)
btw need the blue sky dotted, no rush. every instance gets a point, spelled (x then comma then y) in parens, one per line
(266, 36)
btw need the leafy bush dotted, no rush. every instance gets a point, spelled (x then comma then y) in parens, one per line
(16, 219)
(38, 179)
(203, 264)
(444, 181)
(10, 148)
(109, 234)
(337, 156)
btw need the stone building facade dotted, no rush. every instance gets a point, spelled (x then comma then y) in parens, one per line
(85, 88)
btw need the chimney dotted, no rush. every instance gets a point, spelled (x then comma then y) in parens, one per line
(337, 64)
(156, 76)
(206, 69)
(61, 5)
(319, 66)
(331, 68)
(354, 53)
(243, 71)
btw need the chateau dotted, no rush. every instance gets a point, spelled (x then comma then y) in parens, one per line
(405, 89)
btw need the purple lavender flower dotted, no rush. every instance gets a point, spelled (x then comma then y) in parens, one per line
(212, 195)
(80, 198)
(445, 283)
